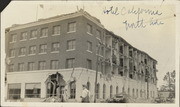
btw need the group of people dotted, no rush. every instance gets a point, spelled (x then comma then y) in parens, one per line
(85, 97)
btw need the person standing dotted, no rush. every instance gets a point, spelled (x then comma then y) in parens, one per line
(85, 95)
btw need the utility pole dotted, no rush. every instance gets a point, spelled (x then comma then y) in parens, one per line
(97, 63)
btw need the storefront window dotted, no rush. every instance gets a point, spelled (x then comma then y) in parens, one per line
(33, 90)
(14, 91)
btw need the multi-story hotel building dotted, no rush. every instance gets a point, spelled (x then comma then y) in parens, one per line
(65, 51)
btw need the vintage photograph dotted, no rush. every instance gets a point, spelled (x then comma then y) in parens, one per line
(88, 52)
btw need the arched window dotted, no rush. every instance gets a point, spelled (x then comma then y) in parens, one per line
(111, 90)
(88, 85)
(117, 90)
(129, 91)
(104, 91)
(133, 92)
(123, 89)
(140, 93)
(137, 93)
(72, 90)
(97, 90)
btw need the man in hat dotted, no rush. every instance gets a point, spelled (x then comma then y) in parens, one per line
(85, 94)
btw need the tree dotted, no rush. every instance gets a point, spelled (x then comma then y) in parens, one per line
(169, 78)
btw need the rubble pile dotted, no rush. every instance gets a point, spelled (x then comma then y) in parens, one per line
(53, 99)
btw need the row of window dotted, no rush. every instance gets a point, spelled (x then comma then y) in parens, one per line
(134, 94)
(33, 90)
(42, 48)
(55, 47)
(43, 32)
(54, 64)
(56, 31)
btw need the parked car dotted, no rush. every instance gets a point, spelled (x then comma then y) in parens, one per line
(118, 98)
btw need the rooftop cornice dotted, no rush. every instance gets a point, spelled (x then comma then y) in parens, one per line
(55, 19)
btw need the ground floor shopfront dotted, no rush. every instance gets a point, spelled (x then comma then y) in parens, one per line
(38, 85)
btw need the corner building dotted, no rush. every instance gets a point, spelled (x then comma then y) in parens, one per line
(69, 49)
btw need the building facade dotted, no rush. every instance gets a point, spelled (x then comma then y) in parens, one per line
(74, 46)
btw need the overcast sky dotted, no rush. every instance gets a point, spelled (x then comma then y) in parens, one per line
(157, 40)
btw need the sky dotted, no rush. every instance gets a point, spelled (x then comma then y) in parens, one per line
(156, 40)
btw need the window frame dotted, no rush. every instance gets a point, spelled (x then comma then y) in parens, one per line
(72, 63)
(72, 45)
(39, 95)
(89, 29)
(32, 67)
(69, 29)
(54, 31)
(46, 32)
(36, 34)
(56, 66)
(19, 94)
(44, 65)
(22, 36)
(55, 47)
(34, 50)
(21, 66)
(89, 46)
(13, 40)
(22, 52)
(44, 48)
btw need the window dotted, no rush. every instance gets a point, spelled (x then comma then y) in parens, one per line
(54, 64)
(70, 63)
(137, 93)
(32, 50)
(31, 66)
(73, 90)
(23, 36)
(97, 91)
(145, 61)
(21, 67)
(33, 34)
(133, 92)
(12, 53)
(42, 65)
(11, 67)
(89, 46)
(71, 45)
(22, 51)
(55, 47)
(14, 91)
(134, 68)
(13, 38)
(117, 90)
(121, 62)
(89, 28)
(33, 90)
(129, 91)
(121, 49)
(104, 91)
(102, 51)
(140, 93)
(98, 34)
(123, 89)
(43, 48)
(89, 64)
(44, 32)
(56, 30)
(88, 85)
(72, 27)
(111, 91)
(130, 53)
